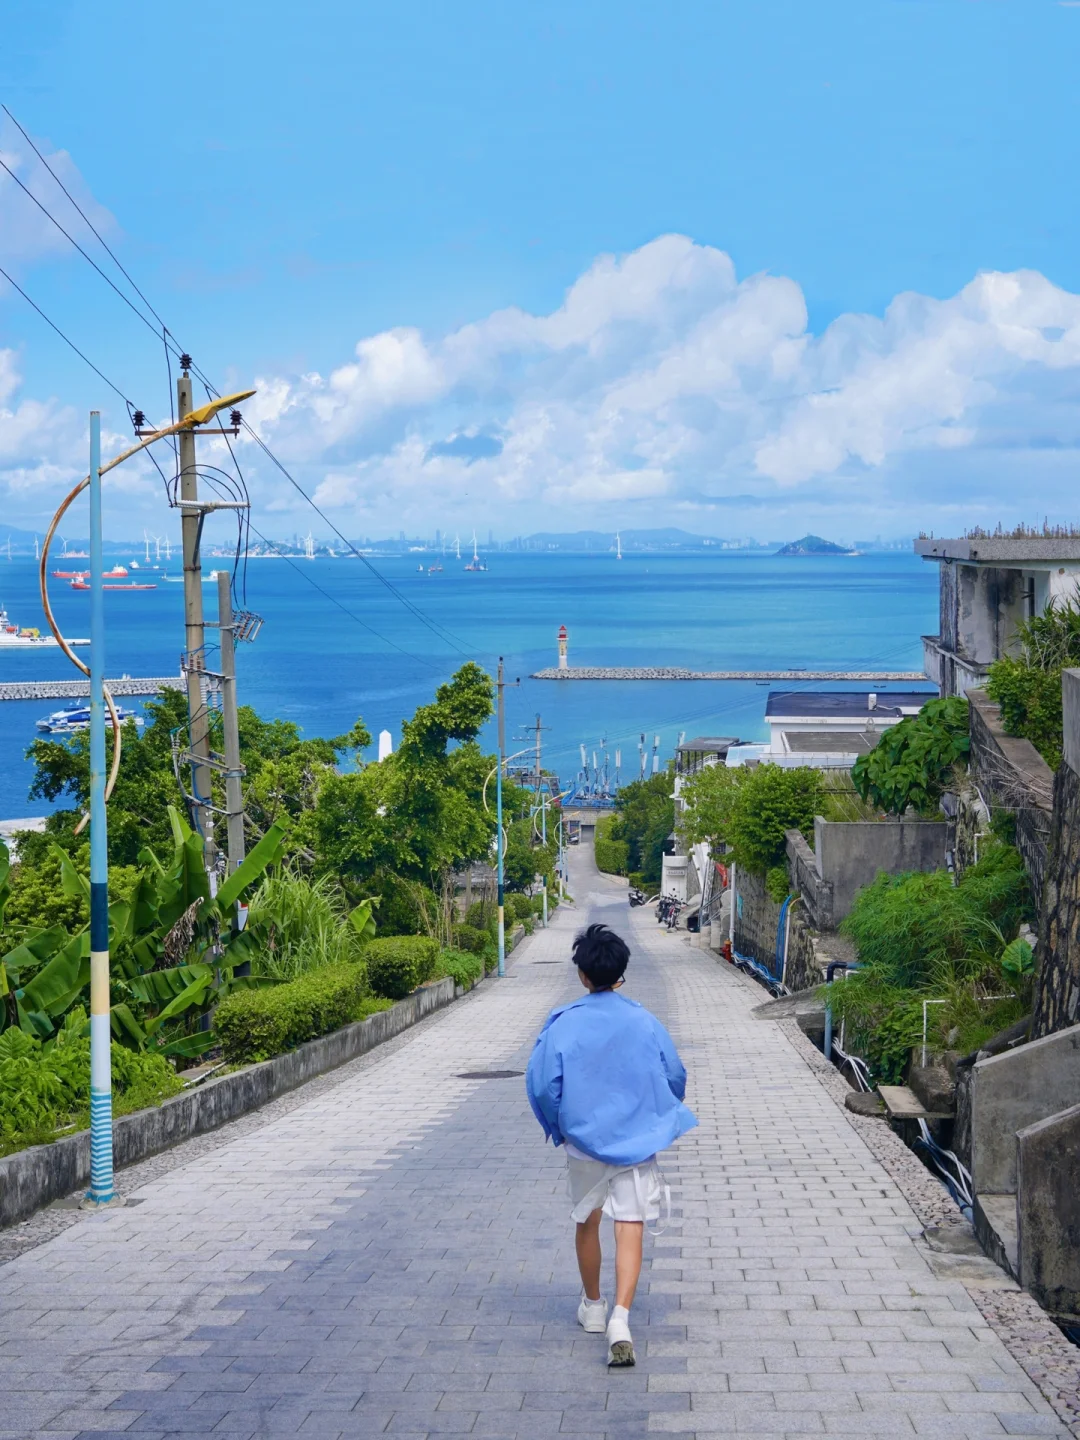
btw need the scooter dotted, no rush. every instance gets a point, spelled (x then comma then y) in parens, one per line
(637, 897)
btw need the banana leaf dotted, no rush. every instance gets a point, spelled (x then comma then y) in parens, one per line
(120, 926)
(266, 853)
(58, 981)
(126, 1028)
(38, 947)
(190, 1047)
(159, 987)
(72, 883)
(192, 997)
(362, 920)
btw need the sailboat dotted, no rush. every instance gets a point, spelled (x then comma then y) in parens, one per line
(475, 563)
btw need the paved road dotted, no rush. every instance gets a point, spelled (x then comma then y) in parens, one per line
(394, 1257)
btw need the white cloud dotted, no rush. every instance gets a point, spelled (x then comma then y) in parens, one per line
(28, 234)
(664, 384)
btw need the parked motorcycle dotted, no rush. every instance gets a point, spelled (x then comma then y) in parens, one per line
(667, 912)
(637, 897)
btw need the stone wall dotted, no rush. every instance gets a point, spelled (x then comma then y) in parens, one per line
(1057, 998)
(1011, 775)
(757, 916)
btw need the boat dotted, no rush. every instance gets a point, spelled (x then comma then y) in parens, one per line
(475, 564)
(435, 569)
(70, 574)
(76, 717)
(118, 572)
(130, 585)
(14, 638)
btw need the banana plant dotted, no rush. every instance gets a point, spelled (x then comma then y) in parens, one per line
(175, 947)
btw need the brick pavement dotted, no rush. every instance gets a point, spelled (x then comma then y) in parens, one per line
(395, 1257)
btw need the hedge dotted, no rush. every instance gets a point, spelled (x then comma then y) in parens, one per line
(397, 964)
(518, 907)
(257, 1024)
(612, 856)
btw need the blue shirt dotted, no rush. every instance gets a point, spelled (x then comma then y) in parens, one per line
(605, 1075)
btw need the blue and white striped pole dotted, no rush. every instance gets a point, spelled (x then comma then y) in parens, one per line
(101, 1128)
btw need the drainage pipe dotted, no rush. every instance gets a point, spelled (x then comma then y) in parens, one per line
(830, 974)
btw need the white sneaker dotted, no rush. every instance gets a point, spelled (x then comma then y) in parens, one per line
(620, 1342)
(592, 1316)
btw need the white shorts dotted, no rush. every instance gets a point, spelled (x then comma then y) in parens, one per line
(622, 1192)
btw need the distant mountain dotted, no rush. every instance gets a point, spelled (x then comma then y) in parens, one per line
(814, 545)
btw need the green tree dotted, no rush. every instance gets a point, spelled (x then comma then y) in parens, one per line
(913, 763)
(646, 818)
(750, 809)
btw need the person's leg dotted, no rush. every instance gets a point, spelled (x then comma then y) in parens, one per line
(628, 1244)
(589, 1257)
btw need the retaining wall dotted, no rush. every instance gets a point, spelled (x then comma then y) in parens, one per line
(1012, 1091)
(1048, 1211)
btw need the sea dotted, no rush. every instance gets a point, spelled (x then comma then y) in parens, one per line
(341, 640)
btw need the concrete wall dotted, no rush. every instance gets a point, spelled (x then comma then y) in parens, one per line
(1048, 1211)
(35, 1177)
(848, 854)
(1070, 706)
(1012, 1091)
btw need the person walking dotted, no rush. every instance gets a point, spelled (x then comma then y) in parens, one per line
(605, 1082)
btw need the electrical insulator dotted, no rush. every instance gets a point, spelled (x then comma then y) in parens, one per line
(138, 420)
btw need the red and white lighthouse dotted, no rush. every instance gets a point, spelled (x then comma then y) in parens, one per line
(563, 662)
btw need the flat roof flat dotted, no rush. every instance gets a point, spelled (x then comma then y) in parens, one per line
(843, 704)
(1014, 550)
(707, 744)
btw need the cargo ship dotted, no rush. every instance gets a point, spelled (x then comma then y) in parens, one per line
(14, 638)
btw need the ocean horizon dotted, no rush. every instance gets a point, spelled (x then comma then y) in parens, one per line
(322, 668)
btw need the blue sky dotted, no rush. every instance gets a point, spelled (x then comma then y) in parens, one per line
(428, 182)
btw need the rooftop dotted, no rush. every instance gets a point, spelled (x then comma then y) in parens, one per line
(1002, 549)
(708, 744)
(844, 704)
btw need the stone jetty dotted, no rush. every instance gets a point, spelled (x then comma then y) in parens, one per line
(673, 672)
(80, 689)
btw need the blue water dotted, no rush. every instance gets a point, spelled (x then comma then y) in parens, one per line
(315, 665)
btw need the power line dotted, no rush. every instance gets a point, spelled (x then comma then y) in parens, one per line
(53, 326)
(440, 631)
(344, 608)
(86, 218)
(89, 259)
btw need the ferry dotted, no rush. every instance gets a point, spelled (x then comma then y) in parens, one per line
(14, 638)
(128, 585)
(77, 717)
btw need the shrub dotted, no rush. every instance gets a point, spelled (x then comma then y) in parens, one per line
(257, 1024)
(920, 936)
(519, 907)
(46, 1090)
(467, 937)
(646, 817)
(483, 915)
(612, 854)
(914, 762)
(305, 923)
(463, 969)
(777, 883)
(1028, 688)
(397, 964)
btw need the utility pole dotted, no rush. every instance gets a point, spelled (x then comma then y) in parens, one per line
(540, 800)
(234, 771)
(191, 523)
(500, 846)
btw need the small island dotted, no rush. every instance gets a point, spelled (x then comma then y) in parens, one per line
(814, 545)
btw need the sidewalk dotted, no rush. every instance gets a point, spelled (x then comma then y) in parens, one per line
(394, 1256)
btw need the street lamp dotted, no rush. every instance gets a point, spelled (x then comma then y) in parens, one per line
(101, 1190)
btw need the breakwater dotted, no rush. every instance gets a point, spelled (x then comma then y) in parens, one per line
(671, 672)
(80, 689)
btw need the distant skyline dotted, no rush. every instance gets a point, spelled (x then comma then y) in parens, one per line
(742, 268)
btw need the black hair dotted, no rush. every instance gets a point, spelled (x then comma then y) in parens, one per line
(601, 955)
